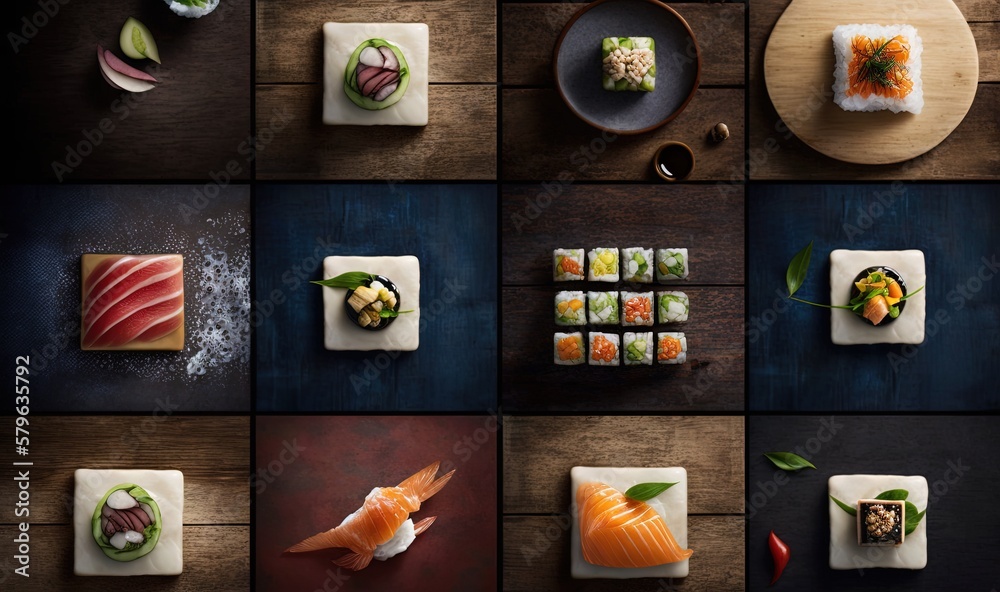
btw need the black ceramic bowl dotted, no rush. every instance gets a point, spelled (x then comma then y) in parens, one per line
(890, 273)
(386, 321)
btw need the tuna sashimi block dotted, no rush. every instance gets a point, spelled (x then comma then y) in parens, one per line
(132, 302)
(671, 505)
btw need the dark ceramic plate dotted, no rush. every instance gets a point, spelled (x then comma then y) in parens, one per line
(577, 65)
(889, 272)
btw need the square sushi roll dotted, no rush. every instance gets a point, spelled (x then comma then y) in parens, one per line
(567, 265)
(628, 64)
(672, 306)
(569, 349)
(637, 309)
(602, 308)
(603, 264)
(877, 68)
(603, 349)
(671, 264)
(571, 308)
(878, 521)
(638, 348)
(671, 348)
(637, 265)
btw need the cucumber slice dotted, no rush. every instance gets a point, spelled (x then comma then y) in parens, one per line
(608, 45)
(351, 84)
(137, 41)
(621, 84)
(648, 83)
(626, 42)
(608, 82)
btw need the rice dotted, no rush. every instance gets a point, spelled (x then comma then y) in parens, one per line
(843, 36)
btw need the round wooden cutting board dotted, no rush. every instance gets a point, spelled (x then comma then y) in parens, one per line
(798, 71)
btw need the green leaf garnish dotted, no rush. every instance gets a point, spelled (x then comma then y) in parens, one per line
(350, 280)
(386, 313)
(911, 293)
(893, 495)
(913, 517)
(850, 510)
(647, 491)
(797, 269)
(787, 461)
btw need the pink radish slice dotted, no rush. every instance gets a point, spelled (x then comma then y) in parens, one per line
(375, 83)
(385, 91)
(367, 74)
(391, 80)
(391, 63)
(119, 80)
(108, 80)
(120, 66)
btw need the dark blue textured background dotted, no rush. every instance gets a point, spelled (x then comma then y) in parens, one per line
(451, 229)
(793, 364)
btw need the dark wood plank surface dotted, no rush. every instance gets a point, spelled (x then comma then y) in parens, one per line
(212, 452)
(460, 140)
(710, 223)
(972, 151)
(538, 453)
(188, 127)
(956, 456)
(790, 352)
(338, 462)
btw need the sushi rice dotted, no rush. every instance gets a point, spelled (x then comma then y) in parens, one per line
(673, 307)
(638, 349)
(843, 47)
(666, 352)
(637, 265)
(603, 264)
(569, 349)
(572, 270)
(602, 308)
(571, 308)
(192, 8)
(637, 309)
(603, 349)
(671, 264)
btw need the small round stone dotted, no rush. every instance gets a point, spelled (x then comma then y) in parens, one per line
(720, 132)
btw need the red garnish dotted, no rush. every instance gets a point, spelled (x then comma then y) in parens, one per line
(780, 552)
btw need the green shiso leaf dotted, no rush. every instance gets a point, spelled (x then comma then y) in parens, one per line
(850, 510)
(893, 495)
(386, 313)
(647, 491)
(913, 517)
(787, 461)
(350, 280)
(796, 273)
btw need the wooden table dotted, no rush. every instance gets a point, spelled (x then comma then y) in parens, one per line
(212, 452)
(543, 139)
(460, 140)
(708, 223)
(539, 452)
(954, 454)
(972, 151)
(794, 365)
(189, 127)
(338, 462)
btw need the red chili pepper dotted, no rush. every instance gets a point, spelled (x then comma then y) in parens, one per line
(780, 552)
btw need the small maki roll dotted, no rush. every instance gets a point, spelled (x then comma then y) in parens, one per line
(671, 348)
(377, 75)
(567, 265)
(603, 265)
(637, 309)
(570, 308)
(126, 522)
(673, 307)
(603, 349)
(638, 349)
(602, 308)
(628, 63)
(671, 264)
(374, 305)
(637, 265)
(569, 349)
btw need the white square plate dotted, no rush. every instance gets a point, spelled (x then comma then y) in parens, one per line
(166, 487)
(671, 505)
(846, 328)
(845, 552)
(341, 39)
(340, 333)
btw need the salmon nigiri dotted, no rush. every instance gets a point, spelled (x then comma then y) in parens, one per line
(383, 517)
(616, 531)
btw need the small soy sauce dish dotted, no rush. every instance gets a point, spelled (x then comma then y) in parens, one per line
(674, 161)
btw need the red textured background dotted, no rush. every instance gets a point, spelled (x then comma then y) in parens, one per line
(344, 458)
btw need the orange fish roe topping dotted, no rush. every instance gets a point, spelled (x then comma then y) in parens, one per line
(879, 67)
(638, 307)
(603, 350)
(569, 348)
(570, 265)
(670, 348)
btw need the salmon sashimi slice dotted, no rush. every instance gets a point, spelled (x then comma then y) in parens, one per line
(383, 512)
(876, 309)
(616, 531)
(879, 67)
